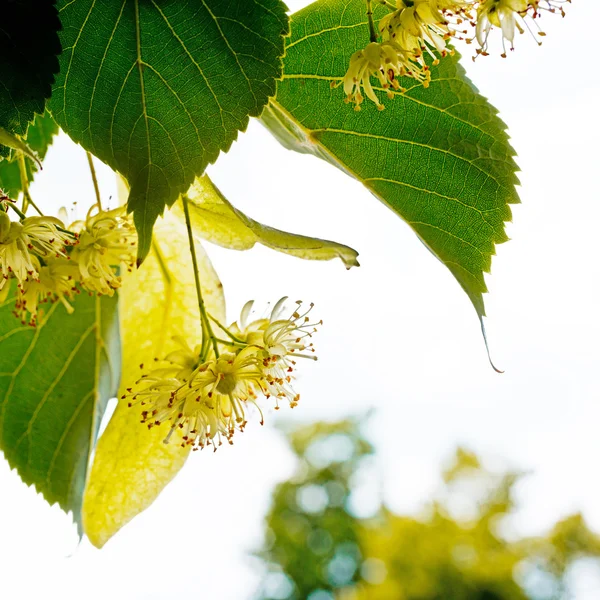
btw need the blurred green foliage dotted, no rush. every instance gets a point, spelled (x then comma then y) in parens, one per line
(459, 548)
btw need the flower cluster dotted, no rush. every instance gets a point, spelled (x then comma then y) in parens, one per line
(384, 61)
(56, 280)
(51, 263)
(26, 248)
(107, 239)
(418, 32)
(206, 399)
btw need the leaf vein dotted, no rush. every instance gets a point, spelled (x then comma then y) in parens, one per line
(68, 71)
(53, 384)
(93, 95)
(408, 142)
(174, 33)
(63, 437)
(14, 374)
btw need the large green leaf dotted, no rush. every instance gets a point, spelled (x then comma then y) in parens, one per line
(157, 89)
(29, 43)
(439, 157)
(39, 136)
(55, 381)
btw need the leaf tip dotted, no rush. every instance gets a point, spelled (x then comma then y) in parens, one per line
(351, 261)
(487, 347)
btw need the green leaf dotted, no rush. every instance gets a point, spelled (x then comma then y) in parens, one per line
(215, 219)
(158, 89)
(55, 381)
(439, 157)
(39, 136)
(30, 46)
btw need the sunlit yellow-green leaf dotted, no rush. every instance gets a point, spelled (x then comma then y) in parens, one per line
(132, 464)
(217, 220)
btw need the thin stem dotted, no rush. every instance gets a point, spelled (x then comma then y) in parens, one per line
(225, 330)
(387, 4)
(205, 341)
(230, 342)
(90, 160)
(17, 210)
(372, 30)
(35, 206)
(22, 215)
(27, 199)
(206, 326)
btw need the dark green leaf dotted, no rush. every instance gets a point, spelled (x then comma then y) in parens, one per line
(38, 137)
(28, 63)
(439, 157)
(158, 89)
(55, 381)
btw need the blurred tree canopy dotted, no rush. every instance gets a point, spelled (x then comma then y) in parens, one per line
(316, 549)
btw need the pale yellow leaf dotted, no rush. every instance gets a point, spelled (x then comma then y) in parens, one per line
(132, 464)
(217, 220)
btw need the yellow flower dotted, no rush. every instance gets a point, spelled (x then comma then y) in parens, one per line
(184, 361)
(499, 13)
(56, 281)
(206, 406)
(416, 28)
(20, 241)
(424, 25)
(207, 401)
(280, 341)
(107, 241)
(511, 16)
(386, 62)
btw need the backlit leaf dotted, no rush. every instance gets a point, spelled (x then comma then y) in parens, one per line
(55, 381)
(215, 219)
(132, 464)
(439, 157)
(157, 89)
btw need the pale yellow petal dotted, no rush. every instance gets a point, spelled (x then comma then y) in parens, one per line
(132, 464)
(217, 220)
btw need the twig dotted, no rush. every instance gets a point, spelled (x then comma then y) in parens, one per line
(94, 179)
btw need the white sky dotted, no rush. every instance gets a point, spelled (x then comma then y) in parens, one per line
(400, 336)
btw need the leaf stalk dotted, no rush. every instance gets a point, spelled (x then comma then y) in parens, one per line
(372, 30)
(27, 199)
(208, 336)
(90, 160)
